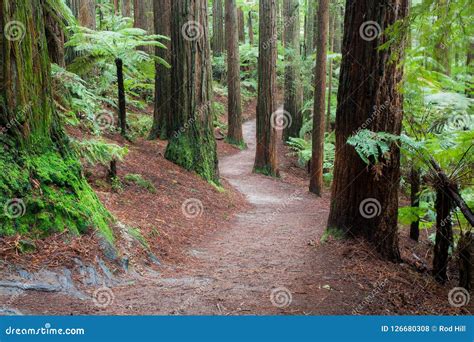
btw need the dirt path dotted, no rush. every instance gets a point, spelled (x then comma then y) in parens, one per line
(264, 261)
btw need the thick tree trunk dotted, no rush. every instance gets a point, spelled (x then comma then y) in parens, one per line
(143, 18)
(41, 181)
(415, 201)
(444, 235)
(332, 31)
(234, 104)
(127, 8)
(293, 90)
(218, 28)
(241, 20)
(250, 27)
(162, 107)
(193, 145)
(122, 109)
(84, 11)
(266, 154)
(365, 203)
(317, 160)
(55, 38)
(309, 28)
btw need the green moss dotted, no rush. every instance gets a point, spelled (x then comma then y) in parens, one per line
(55, 195)
(335, 233)
(141, 182)
(265, 171)
(197, 155)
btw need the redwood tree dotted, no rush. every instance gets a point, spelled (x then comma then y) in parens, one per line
(143, 18)
(317, 160)
(266, 154)
(192, 145)
(241, 20)
(218, 28)
(234, 104)
(293, 89)
(365, 202)
(42, 186)
(162, 105)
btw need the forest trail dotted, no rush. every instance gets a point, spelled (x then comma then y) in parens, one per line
(265, 260)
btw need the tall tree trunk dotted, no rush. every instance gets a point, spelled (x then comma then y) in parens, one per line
(162, 107)
(309, 28)
(338, 28)
(143, 18)
(415, 201)
(218, 28)
(332, 30)
(241, 19)
(84, 11)
(42, 184)
(126, 8)
(364, 203)
(293, 90)
(234, 104)
(116, 7)
(315, 24)
(193, 145)
(444, 234)
(442, 45)
(266, 154)
(250, 27)
(317, 160)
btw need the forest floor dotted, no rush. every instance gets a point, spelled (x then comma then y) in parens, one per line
(257, 248)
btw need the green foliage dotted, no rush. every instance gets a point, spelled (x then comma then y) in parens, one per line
(98, 151)
(140, 181)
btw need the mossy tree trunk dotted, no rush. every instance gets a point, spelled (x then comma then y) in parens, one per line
(218, 28)
(55, 38)
(234, 104)
(293, 89)
(192, 145)
(364, 203)
(41, 184)
(162, 106)
(266, 154)
(317, 160)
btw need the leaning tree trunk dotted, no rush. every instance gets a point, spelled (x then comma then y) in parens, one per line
(266, 154)
(250, 27)
(365, 203)
(42, 187)
(444, 235)
(241, 20)
(218, 28)
(233, 74)
(293, 90)
(317, 160)
(143, 18)
(193, 145)
(162, 106)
